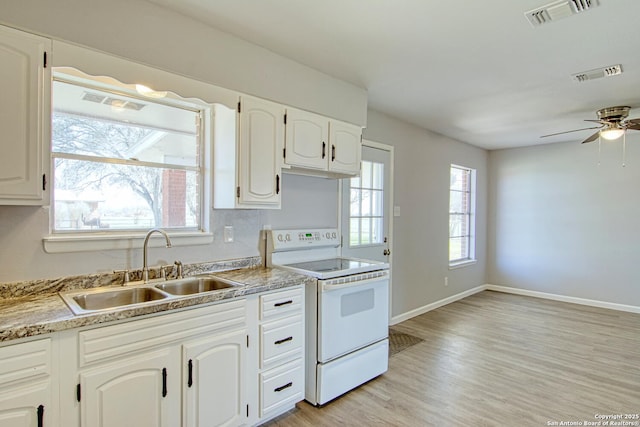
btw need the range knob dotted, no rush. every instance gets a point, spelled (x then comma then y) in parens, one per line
(280, 238)
(334, 235)
(287, 237)
(328, 235)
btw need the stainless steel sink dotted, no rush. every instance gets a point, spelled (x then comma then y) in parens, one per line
(106, 299)
(194, 285)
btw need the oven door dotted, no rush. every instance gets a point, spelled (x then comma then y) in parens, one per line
(351, 315)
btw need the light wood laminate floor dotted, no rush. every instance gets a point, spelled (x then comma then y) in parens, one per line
(496, 359)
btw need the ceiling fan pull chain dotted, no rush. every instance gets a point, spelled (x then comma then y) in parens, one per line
(624, 149)
(599, 149)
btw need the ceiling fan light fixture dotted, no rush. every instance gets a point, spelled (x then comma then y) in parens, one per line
(612, 133)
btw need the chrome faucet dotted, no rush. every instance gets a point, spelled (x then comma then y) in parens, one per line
(145, 268)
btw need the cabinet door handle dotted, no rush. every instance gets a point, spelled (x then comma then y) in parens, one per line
(333, 153)
(277, 184)
(190, 377)
(164, 382)
(282, 387)
(282, 341)
(324, 149)
(280, 304)
(40, 415)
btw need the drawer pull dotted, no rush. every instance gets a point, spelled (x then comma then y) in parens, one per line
(280, 304)
(282, 341)
(282, 387)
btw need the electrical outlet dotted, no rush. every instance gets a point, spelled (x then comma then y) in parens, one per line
(446, 281)
(228, 234)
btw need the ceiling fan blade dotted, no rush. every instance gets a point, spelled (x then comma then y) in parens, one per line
(592, 138)
(569, 131)
(633, 124)
(595, 121)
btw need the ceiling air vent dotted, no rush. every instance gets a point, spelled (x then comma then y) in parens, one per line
(558, 10)
(113, 102)
(612, 70)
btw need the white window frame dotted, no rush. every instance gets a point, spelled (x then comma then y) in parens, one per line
(471, 236)
(56, 242)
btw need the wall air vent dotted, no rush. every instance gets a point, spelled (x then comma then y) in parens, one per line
(558, 10)
(611, 70)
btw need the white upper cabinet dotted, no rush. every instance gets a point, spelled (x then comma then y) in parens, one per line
(314, 142)
(25, 82)
(248, 147)
(260, 144)
(346, 148)
(307, 139)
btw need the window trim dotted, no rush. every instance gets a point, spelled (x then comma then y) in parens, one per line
(471, 258)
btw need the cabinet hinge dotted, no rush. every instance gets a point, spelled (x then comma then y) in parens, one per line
(284, 153)
(44, 182)
(44, 63)
(78, 392)
(247, 410)
(238, 192)
(239, 107)
(247, 341)
(285, 119)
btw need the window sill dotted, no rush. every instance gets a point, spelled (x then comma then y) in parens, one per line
(57, 243)
(461, 264)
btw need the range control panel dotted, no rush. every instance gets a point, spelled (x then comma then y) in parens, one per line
(283, 240)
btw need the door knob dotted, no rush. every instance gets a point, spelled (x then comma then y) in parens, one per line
(386, 252)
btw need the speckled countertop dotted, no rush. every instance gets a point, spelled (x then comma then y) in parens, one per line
(42, 313)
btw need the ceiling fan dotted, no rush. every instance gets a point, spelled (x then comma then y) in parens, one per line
(613, 124)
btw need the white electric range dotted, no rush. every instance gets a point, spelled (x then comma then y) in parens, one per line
(347, 312)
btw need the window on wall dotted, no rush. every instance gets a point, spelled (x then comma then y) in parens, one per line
(461, 215)
(366, 205)
(124, 161)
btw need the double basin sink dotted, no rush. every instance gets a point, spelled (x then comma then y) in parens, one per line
(100, 299)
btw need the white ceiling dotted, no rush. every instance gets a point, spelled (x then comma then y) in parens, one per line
(476, 71)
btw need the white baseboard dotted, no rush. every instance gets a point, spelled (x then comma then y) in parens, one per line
(517, 291)
(563, 298)
(421, 310)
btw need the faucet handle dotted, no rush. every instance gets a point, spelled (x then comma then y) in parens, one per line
(126, 276)
(178, 265)
(163, 271)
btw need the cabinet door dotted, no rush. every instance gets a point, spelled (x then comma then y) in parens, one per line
(346, 148)
(143, 391)
(24, 117)
(306, 140)
(26, 406)
(260, 145)
(214, 380)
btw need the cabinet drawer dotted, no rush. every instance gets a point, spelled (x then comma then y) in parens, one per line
(281, 303)
(281, 339)
(25, 361)
(281, 386)
(110, 341)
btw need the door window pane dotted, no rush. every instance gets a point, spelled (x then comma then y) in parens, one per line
(367, 205)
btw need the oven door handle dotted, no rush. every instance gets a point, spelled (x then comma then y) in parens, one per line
(328, 288)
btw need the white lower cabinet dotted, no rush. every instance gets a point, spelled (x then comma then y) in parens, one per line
(215, 373)
(281, 332)
(141, 391)
(25, 385)
(179, 369)
(235, 363)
